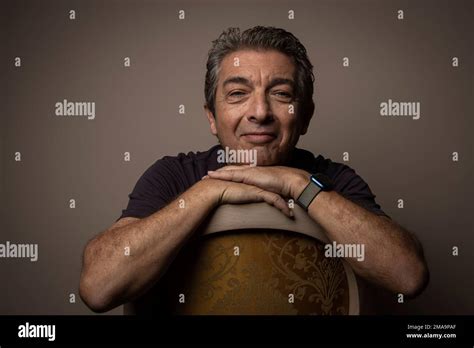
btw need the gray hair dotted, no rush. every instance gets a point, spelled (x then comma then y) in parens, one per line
(265, 38)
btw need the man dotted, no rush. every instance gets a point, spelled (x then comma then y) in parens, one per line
(258, 90)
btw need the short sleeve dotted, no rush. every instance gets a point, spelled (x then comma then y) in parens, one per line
(349, 184)
(153, 190)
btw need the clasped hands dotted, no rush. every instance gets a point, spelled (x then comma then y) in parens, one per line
(271, 184)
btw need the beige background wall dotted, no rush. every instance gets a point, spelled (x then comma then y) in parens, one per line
(137, 111)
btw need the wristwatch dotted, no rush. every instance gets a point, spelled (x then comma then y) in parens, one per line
(317, 183)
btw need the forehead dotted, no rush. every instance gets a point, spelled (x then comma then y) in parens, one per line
(256, 64)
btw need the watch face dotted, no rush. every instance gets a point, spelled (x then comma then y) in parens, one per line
(323, 181)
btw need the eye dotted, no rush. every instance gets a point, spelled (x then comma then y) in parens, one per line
(283, 95)
(236, 94)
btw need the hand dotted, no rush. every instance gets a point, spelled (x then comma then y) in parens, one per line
(227, 192)
(284, 181)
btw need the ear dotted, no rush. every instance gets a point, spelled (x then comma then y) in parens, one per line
(306, 121)
(305, 126)
(211, 119)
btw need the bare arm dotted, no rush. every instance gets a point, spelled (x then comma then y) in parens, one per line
(110, 277)
(393, 256)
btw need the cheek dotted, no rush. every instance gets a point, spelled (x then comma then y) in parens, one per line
(226, 127)
(231, 116)
(289, 121)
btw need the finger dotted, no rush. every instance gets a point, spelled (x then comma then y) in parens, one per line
(263, 180)
(277, 201)
(229, 175)
(233, 167)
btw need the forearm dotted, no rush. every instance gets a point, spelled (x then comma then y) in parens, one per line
(122, 263)
(393, 257)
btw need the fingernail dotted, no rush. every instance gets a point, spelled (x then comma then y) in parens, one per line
(292, 214)
(210, 171)
(205, 177)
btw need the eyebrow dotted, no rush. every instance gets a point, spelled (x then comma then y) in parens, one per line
(244, 81)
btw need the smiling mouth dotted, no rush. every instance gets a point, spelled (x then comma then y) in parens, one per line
(259, 138)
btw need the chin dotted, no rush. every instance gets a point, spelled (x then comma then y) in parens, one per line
(267, 158)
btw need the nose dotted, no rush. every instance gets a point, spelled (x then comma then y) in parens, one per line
(260, 110)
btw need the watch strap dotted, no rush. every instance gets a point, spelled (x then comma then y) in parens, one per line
(309, 193)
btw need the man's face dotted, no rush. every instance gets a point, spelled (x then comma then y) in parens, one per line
(255, 107)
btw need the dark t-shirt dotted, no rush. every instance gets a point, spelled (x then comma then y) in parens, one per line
(172, 175)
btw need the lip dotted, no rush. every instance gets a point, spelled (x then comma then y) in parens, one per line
(259, 137)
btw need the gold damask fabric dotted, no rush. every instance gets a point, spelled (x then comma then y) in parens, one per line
(250, 272)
